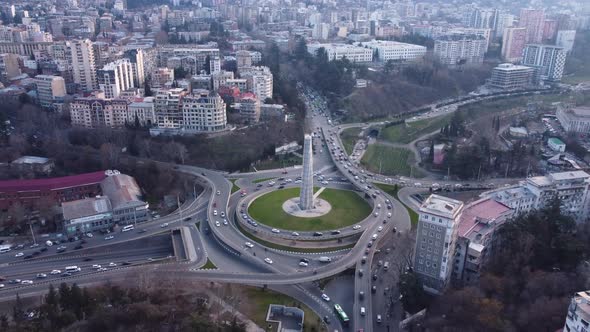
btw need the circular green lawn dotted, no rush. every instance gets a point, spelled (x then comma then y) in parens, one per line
(348, 208)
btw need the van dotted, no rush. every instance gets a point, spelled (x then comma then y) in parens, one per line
(128, 228)
(363, 311)
(325, 259)
(4, 250)
(379, 319)
(73, 269)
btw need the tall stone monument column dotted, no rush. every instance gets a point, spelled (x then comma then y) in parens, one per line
(306, 196)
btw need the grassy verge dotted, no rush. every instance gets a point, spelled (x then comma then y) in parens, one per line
(348, 208)
(393, 191)
(234, 186)
(262, 298)
(261, 180)
(389, 160)
(349, 137)
(209, 265)
(287, 248)
(407, 132)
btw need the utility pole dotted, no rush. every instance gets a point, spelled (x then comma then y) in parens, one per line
(479, 172)
(506, 173)
(32, 233)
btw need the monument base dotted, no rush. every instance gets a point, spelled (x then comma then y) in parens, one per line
(321, 207)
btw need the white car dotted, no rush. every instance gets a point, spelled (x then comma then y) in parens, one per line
(20, 254)
(355, 227)
(26, 282)
(110, 237)
(218, 192)
(1, 285)
(325, 297)
(55, 272)
(90, 235)
(222, 214)
(376, 214)
(215, 212)
(225, 222)
(295, 234)
(268, 260)
(164, 225)
(96, 266)
(379, 229)
(274, 230)
(249, 245)
(374, 237)
(41, 275)
(111, 264)
(378, 206)
(388, 214)
(217, 224)
(303, 264)
(101, 269)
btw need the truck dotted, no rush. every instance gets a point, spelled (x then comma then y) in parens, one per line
(48, 243)
(325, 259)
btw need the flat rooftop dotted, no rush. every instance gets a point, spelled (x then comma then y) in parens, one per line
(441, 206)
(572, 175)
(86, 207)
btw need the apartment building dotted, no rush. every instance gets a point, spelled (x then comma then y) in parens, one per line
(9, 67)
(94, 112)
(475, 238)
(533, 20)
(50, 89)
(574, 119)
(339, 51)
(81, 59)
(116, 77)
(168, 108)
(513, 44)
(457, 49)
(136, 58)
(549, 59)
(537, 192)
(578, 313)
(566, 39)
(161, 77)
(249, 106)
(507, 76)
(142, 109)
(203, 111)
(391, 50)
(259, 81)
(435, 241)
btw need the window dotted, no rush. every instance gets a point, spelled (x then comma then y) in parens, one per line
(434, 265)
(438, 236)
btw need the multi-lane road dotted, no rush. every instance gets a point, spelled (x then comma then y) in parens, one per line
(149, 247)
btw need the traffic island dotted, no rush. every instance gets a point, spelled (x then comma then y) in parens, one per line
(346, 208)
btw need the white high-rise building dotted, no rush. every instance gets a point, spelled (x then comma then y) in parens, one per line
(203, 111)
(457, 49)
(578, 313)
(566, 39)
(435, 241)
(81, 57)
(260, 81)
(116, 77)
(549, 59)
(49, 88)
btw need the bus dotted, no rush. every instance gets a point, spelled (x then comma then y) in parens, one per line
(127, 228)
(341, 314)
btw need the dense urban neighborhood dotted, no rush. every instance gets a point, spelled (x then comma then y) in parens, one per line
(274, 165)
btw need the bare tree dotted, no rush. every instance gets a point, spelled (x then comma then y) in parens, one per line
(109, 154)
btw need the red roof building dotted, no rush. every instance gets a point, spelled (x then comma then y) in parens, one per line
(47, 192)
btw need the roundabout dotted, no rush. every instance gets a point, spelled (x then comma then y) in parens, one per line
(335, 209)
